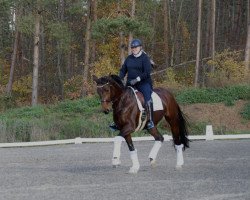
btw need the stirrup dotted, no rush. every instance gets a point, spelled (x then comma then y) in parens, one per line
(113, 127)
(150, 125)
(144, 115)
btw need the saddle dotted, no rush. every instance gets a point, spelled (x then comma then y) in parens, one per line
(157, 105)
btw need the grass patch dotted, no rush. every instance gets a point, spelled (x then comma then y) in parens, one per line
(83, 117)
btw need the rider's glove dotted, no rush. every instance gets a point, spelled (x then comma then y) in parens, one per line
(134, 81)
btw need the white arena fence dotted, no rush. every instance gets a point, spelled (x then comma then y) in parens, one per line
(208, 136)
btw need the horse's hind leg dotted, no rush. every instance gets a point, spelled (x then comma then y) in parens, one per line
(177, 142)
(133, 155)
(157, 145)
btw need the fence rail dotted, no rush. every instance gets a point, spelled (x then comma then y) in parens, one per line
(102, 140)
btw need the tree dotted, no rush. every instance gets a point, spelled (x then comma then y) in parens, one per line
(14, 54)
(61, 8)
(165, 36)
(93, 55)
(197, 66)
(213, 9)
(132, 17)
(36, 57)
(121, 34)
(87, 49)
(247, 49)
(175, 29)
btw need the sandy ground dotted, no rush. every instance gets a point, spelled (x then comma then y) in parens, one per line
(213, 170)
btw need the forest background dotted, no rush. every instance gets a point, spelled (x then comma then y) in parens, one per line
(49, 49)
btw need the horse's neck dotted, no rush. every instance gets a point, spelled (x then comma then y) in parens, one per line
(116, 94)
(124, 99)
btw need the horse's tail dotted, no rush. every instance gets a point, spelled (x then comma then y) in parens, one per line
(183, 128)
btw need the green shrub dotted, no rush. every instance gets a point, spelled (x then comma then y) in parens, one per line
(6, 102)
(214, 95)
(246, 111)
(18, 131)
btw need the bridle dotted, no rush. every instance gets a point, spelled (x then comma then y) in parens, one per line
(105, 100)
(101, 86)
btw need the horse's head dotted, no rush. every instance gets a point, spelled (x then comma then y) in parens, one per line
(108, 89)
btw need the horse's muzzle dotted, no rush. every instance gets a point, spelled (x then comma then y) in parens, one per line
(106, 111)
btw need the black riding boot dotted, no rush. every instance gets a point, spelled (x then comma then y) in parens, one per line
(150, 123)
(113, 127)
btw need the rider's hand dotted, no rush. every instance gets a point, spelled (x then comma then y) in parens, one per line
(134, 81)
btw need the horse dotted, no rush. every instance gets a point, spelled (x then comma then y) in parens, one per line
(127, 116)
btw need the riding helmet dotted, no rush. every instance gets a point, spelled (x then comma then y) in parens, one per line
(135, 43)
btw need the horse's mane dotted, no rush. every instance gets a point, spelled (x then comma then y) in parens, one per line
(117, 80)
(102, 80)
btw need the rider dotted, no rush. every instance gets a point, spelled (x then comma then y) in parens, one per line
(137, 66)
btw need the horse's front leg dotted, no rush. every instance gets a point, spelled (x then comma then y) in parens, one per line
(117, 151)
(157, 145)
(133, 155)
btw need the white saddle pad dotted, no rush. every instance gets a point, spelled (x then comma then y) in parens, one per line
(157, 103)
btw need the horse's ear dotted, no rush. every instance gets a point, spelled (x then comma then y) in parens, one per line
(94, 78)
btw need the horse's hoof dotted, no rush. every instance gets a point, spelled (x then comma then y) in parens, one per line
(133, 170)
(178, 167)
(116, 162)
(152, 163)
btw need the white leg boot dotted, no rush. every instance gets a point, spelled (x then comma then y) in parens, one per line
(117, 151)
(135, 162)
(153, 153)
(180, 161)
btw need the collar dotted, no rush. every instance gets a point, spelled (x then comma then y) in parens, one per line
(138, 55)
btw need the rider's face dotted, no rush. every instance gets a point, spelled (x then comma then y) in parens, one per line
(136, 50)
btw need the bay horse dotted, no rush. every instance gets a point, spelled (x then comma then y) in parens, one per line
(126, 116)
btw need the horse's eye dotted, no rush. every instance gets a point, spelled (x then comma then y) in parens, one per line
(105, 89)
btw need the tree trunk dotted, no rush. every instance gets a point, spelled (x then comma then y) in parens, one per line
(130, 38)
(213, 12)
(238, 21)
(93, 52)
(197, 67)
(122, 38)
(165, 36)
(59, 50)
(172, 28)
(13, 57)
(87, 49)
(152, 48)
(175, 33)
(207, 45)
(36, 59)
(247, 50)
(43, 66)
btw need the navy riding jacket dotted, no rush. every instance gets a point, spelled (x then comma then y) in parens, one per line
(137, 66)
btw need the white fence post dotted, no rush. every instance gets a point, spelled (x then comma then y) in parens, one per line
(209, 132)
(78, 140)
